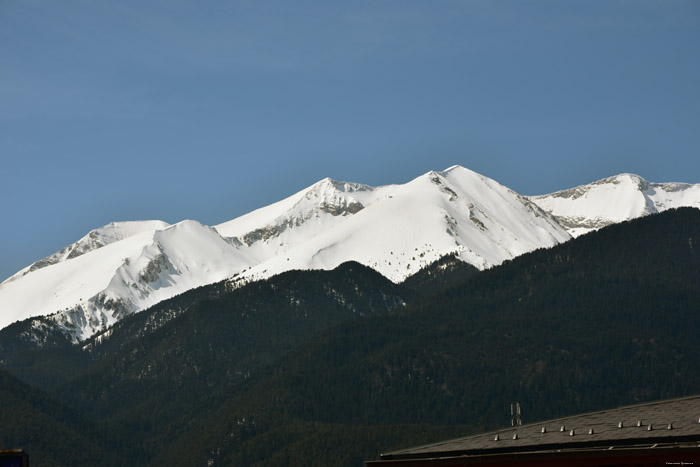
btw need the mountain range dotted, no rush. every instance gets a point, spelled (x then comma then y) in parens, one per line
(315, 368)
(125, 267)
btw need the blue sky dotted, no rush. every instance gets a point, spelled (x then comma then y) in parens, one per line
(125, 110)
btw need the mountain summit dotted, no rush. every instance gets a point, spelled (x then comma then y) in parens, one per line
(615, 199)
(125, 267)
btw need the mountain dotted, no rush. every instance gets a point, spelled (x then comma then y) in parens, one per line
(92, 291)
(330, 367)
(396, 230)
(126, 267)
(615, 199)
(95, 239)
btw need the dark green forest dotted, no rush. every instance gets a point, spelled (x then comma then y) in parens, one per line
(33, 420)
(334, 367)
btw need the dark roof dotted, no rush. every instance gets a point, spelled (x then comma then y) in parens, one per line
(658, 423)
(13, 458)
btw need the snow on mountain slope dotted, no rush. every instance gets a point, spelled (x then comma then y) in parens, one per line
(120, 272)
(95, 239)
(326, 197)
(614, 199)
(68, 283)
(93, 290)
(179, 258)
(404, 227)
(125, 267)
(275, 229)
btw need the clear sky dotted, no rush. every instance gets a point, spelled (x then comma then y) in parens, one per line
(172, 109)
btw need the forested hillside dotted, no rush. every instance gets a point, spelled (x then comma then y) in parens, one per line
(54, 433)
(608, 319)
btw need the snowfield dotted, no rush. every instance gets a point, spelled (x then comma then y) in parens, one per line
(615, 199)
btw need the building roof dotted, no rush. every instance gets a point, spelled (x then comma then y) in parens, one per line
(13, 458)
(664, 423)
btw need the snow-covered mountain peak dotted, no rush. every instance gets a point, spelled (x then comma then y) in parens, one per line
(458, 169)
(467, 185)
(626, 180)
(334, 197)
(325, 196)
(327, 184)
(454, 167)
(156, 266)
(300, 217)
(614, 199)
(461, 171)
(96, 238)
(470, 181)
(402, 228)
